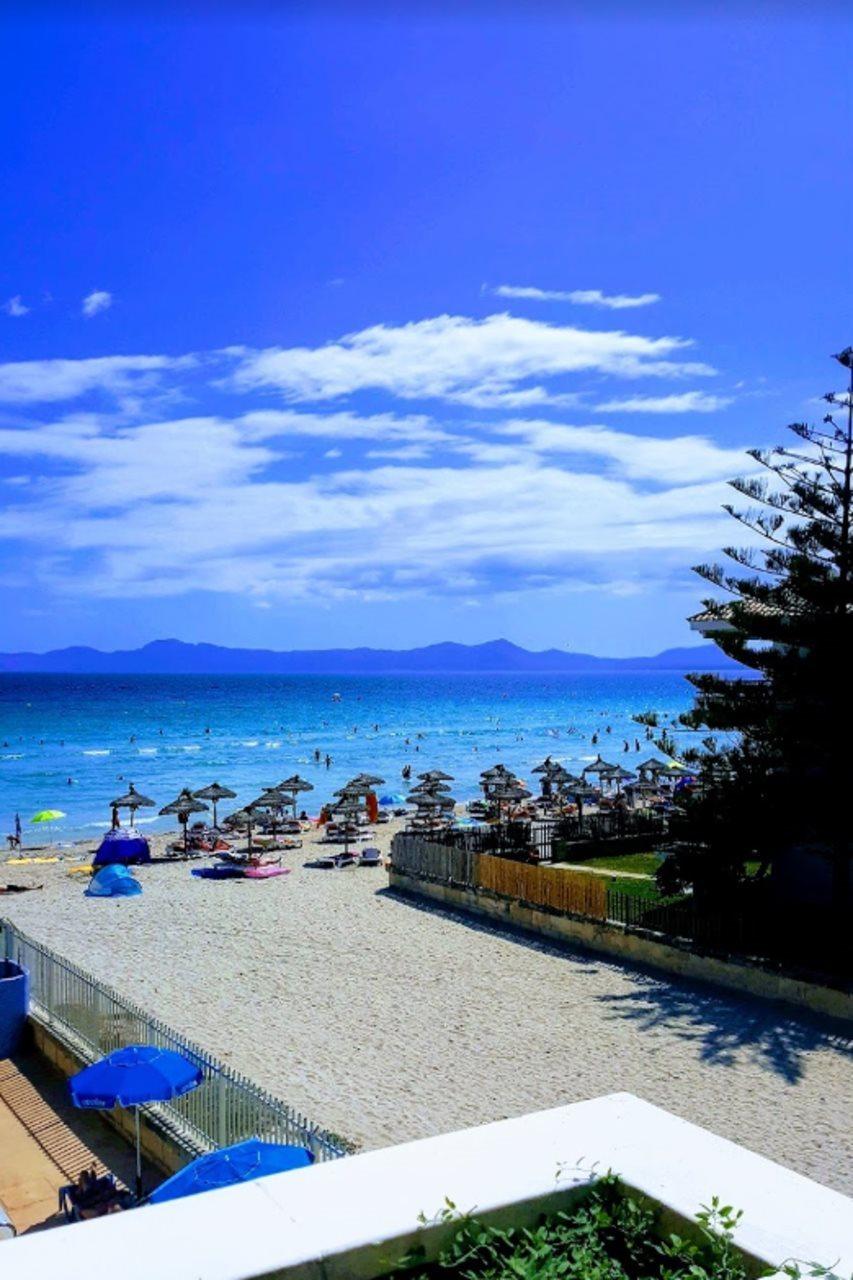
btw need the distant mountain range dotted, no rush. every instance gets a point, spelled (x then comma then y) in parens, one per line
(174, 657)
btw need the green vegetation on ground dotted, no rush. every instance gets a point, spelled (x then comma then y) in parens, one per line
(645, 864)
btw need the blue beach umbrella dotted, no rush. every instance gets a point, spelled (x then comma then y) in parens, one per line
(130, 1077)
(240, 1163)
(395, 797)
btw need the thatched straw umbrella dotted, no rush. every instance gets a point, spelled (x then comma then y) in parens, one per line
(183, 806)
(132, 800)
(215, 792)
(435, 775)
(651, 767)
(618, 775)
(369, 780)
(272, 801)
(295, 784)
(429, 789)
(598, 766)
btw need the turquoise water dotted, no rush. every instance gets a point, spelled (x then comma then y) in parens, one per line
(249, 732)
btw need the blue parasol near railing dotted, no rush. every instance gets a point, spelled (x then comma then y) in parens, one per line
(230, 1165)
(131, 1077)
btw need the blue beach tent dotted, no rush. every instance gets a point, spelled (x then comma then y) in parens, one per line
(240, 1163)
(122, 845)
(113, 881)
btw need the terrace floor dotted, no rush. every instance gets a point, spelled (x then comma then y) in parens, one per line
(45, 1143)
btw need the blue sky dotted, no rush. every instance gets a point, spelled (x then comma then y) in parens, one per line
(327, 328)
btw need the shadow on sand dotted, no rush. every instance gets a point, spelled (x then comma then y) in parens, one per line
(725, 1029)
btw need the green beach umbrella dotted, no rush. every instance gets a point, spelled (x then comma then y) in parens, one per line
(48, 816)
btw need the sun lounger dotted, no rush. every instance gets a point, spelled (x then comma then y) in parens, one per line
(101, 1197)
(370, 858)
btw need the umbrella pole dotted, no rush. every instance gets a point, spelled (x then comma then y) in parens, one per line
(186, 848)
(138, 1157)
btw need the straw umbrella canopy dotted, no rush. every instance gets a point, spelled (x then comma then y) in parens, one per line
(497, 776)
(599, 766)
(580, 791)
(369, 780)
(547, 766)
(272, 801)
(295, 784)
(184, 804)
(429, 789)
(348, 792)
(618, 775)
(131, 800)
(435, 775)
(651, 766)
(214, 793)
(508, 793)
(350, 810)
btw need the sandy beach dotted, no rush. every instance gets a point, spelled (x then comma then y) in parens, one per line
(385, 1021)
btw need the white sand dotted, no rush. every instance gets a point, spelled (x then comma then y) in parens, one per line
(385, 1021)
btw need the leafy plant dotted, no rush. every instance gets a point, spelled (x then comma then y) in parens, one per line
(609, 1236)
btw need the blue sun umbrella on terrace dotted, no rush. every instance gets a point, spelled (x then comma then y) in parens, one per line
(132, 1077)
(230, 1165)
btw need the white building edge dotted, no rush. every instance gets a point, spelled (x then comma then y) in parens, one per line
(355, 1218)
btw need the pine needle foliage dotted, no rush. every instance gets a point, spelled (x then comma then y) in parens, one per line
(782, 777)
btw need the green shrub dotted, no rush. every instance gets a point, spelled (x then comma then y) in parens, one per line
(608, 1236)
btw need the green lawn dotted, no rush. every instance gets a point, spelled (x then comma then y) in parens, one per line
(644, 864)
(637, 888)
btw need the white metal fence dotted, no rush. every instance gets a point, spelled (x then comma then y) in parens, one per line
(93, 1020)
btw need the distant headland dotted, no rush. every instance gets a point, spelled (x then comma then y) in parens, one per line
(496, 657)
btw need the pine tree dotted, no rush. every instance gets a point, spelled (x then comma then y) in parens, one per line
(780, 776)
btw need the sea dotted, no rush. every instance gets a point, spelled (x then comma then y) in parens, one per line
(73, 742)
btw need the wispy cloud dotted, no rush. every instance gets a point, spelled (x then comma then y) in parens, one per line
(685, 402)
(478, 362)
(44, 381)
(15, 307)
(96, 301)
(579, 297)
(506, 509)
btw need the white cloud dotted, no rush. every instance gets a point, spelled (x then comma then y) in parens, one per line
(267, 424)
(96, 301)
(43, 381)
(580, 297)
(537, 505)
(15, 307)
(681, 460)
(685, 402)
(459, 359)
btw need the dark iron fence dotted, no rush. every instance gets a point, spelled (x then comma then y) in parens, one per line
(562, 840)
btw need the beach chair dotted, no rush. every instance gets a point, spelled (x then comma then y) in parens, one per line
(370, 857)
(324, 862)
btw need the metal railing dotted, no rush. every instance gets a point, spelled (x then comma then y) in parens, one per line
(543, 841)
(93, 1020)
